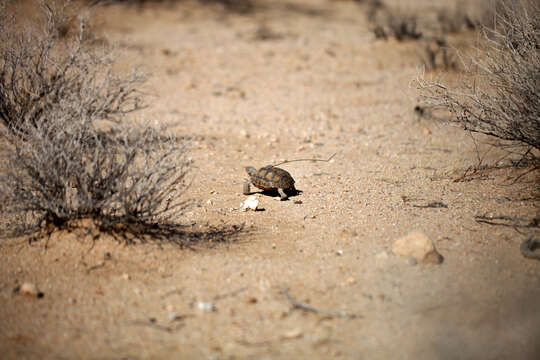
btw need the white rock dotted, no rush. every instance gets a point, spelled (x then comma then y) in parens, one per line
(205, 306)
(29, 289)
(244, 134)
(418, 246)
(251, 203)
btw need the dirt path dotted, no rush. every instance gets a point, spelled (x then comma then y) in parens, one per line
(297, 81)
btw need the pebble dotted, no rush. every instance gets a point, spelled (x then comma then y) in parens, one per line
(244, 134)
(418, 246)
(31, 290)
(292, 334)
(251, 203)
(339, 252)
(206, 306)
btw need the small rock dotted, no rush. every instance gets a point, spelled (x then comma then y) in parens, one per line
(339, 252)
(125, 276)
(244, 134)
(251, 203)
(206, 306)
(292, 334)
(351, 280)
(31, 290)
(418, 246)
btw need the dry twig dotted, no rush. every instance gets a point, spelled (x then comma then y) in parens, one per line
(301, 306)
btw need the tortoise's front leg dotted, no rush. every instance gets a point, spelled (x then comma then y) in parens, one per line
(282, 194)
(247, 188)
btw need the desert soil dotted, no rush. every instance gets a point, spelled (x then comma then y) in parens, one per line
(296, 79)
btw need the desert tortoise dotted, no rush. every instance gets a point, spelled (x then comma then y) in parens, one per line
(270, 178)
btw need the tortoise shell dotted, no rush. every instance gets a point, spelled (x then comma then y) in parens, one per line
(270, 178)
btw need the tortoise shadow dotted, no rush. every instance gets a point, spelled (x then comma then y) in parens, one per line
(275, 193)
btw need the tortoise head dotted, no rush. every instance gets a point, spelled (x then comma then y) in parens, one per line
(251, 171)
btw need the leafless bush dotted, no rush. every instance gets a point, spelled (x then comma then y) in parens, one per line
(417, 21)
(66, 150)
(238, 6)
(39, 69)
(454, 20)
(502, 96)
(397, 23)
(67, 170)
(437, 55)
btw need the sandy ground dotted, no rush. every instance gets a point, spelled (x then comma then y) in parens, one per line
(319, 84)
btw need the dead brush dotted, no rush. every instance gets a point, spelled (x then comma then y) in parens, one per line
(438, 55)
(397, 23)
(67, 150)
(66, 170)
(39, 70)
(234, 6)
(501, 96)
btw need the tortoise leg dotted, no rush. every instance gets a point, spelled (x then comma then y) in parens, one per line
(247, 188)
(282, 194)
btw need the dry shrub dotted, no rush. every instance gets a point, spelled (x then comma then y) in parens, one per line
(67, 151)
(235, 6)
(415, 21)
(66, 170)
(438, 55)
(503, 98)
(393, 22)
(39, 70)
